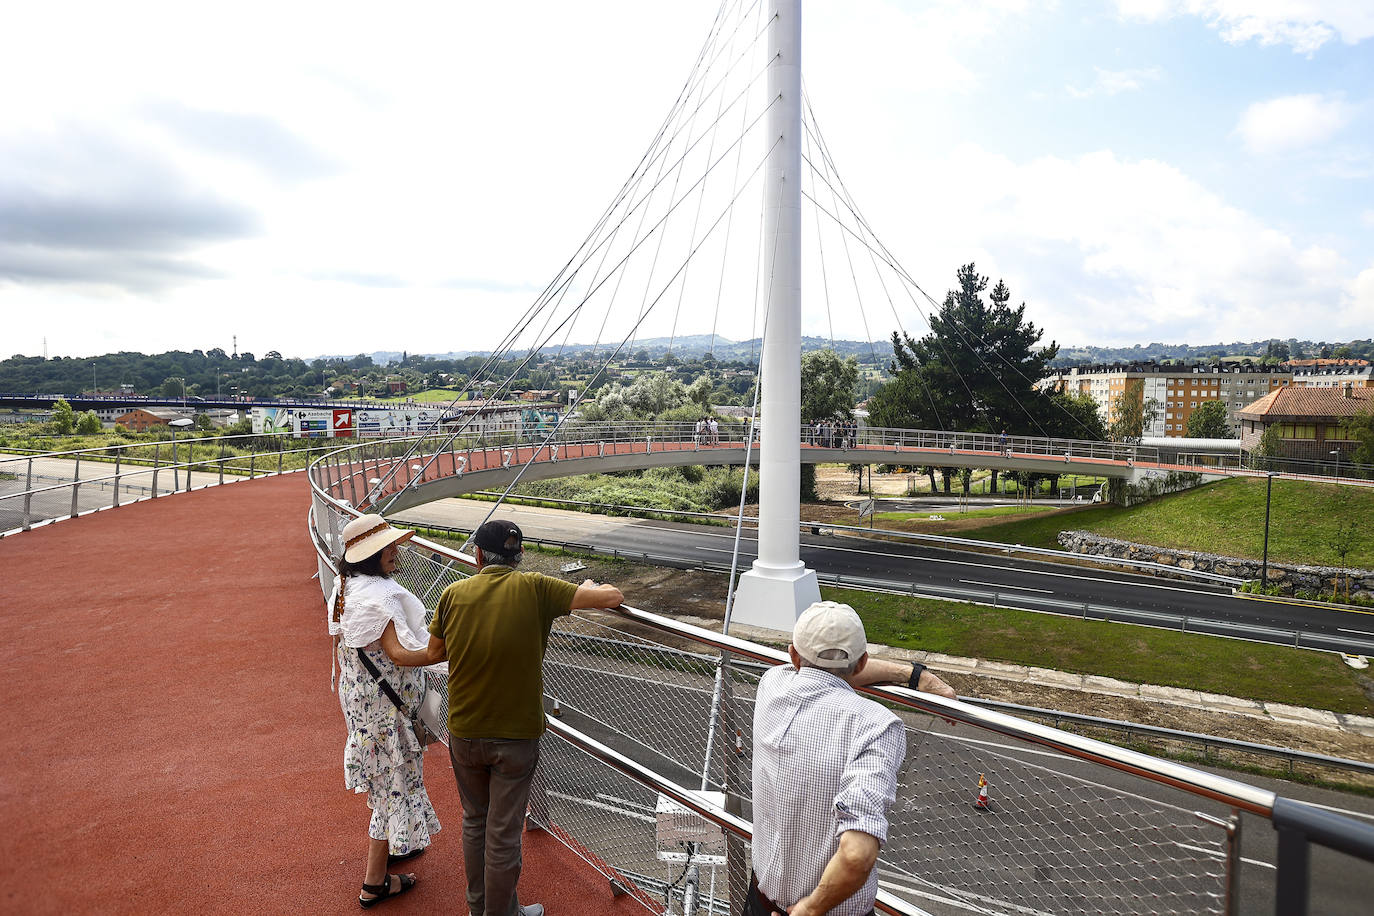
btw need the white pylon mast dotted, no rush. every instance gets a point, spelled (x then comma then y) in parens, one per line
(779, 586)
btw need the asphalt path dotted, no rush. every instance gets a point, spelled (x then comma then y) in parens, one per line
(989, 578)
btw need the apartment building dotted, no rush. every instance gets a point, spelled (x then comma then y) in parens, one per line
(1332, 373)
(1176, 390)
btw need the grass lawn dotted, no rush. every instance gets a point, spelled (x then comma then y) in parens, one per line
(1228, 517)
(1225, 517)
(1036, 530)
(1139, 654)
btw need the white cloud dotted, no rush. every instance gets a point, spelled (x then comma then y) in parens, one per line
(1291, 123)
(409, 183)
(1304, 25)
(1105, 249)
(1112, 82)
(1360, 303)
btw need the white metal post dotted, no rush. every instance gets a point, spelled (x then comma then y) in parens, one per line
(779, 586)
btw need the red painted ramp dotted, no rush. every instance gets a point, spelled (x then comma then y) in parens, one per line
(170, 743)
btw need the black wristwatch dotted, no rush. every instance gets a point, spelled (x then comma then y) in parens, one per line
(916, 669)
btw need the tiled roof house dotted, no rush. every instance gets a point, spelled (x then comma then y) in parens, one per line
(1312, 422)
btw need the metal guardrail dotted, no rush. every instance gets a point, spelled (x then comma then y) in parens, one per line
(1011, 598)
(149, 469)
(880, 444)
(937, 539)
(1131, 731)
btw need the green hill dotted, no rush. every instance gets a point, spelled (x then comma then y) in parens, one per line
(1226, 518)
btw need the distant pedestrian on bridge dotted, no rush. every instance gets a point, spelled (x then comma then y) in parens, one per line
(493, 629)
(1002, 445)
(825, 768)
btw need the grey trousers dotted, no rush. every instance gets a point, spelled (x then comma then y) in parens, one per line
(494, 777)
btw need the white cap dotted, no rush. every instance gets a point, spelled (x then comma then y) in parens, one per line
(830, 635)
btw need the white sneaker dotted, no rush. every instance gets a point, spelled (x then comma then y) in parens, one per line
(533, 909)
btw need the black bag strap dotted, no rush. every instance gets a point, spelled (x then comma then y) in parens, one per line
(384, 684)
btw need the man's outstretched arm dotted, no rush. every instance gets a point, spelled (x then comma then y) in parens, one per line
(590, 595)
(878, 671)
(844, 874)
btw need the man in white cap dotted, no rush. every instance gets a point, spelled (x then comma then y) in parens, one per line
(825, 768)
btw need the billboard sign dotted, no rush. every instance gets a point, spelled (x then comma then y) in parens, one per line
(272, 420)
(314, 424)
(343, 423)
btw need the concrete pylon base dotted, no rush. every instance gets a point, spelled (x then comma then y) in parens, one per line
(775, 598)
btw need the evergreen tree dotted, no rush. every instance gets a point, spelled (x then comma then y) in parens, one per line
(976, 369)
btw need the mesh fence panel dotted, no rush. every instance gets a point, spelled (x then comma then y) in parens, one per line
(1055, 837)
(1052, 839)
(612, 822)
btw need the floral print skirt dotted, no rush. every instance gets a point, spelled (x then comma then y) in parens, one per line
(383, 757)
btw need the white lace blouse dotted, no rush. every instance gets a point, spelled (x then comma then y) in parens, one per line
(370, 602)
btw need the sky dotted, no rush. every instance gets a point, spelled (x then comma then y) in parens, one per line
(334, 179)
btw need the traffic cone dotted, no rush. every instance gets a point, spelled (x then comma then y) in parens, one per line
(982, 803)
(739, 742)
(557, 709)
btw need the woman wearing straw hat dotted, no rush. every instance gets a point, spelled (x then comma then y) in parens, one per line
(372, 614)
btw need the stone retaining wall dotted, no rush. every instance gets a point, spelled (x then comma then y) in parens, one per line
(1287, 577)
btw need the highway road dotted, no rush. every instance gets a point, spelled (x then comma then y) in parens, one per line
(987, 578)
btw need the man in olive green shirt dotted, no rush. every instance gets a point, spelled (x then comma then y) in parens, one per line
(493, 629)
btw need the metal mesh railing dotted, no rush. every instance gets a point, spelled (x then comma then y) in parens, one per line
(1052, 838)
(1058, 835)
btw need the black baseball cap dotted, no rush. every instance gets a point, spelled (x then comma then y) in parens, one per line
(498, 536)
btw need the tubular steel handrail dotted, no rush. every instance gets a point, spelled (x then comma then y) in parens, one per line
(1197, 782)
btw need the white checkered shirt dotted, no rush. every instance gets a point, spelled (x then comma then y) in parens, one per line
(825, 761)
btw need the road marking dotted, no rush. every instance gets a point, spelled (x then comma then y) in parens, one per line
(1271, 600)
(963, 904)
(1218, 854)
(1347, 811)
(604, 807)
(625, 802)
(1361, 632)
(1023, 588)
(1037, 572)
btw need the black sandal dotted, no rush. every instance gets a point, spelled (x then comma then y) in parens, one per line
(414, 853)
(384, 891)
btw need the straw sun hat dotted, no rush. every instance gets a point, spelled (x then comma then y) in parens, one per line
(368, 534)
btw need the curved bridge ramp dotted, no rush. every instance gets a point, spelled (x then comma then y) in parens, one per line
(401, 474)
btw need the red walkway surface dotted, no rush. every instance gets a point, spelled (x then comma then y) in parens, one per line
(170, 742)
